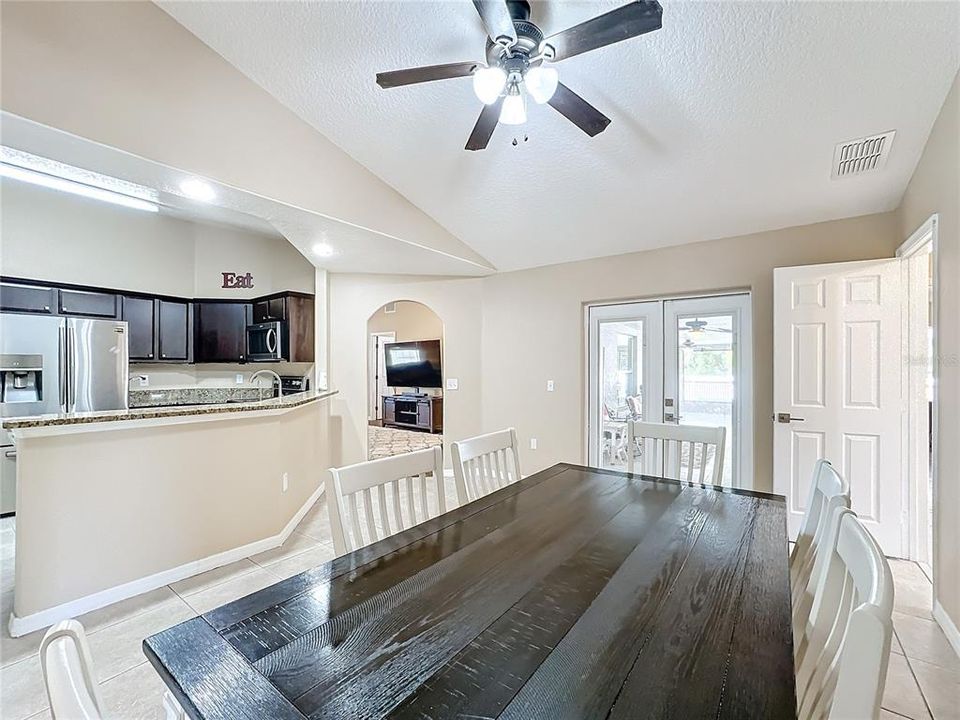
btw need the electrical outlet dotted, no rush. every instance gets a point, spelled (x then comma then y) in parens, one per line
(533, 443)
(144, 381)
(453, 384)
(549, 385)
(239, 378)
(286, 482)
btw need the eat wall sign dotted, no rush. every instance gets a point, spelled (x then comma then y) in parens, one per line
(236, 281)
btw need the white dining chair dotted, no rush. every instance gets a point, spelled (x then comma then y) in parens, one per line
(486, 463)
(842, 654)
(678, 452)
(381, 497)
(70, 678)
(68, 673)
(828, 489)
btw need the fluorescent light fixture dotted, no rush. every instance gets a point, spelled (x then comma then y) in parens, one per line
(197, 189)
(35, 177)
(323, 250)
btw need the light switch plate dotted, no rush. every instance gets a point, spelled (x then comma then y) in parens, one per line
(286, 482)
(239, 378)
(144, 381)
(453, 384)
(533, 443)
(549, 385)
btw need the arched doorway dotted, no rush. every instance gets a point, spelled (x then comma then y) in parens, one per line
(404, 379)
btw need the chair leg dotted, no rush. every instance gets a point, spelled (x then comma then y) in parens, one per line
(172, 708)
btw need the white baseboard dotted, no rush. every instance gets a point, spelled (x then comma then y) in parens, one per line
(45, 618)
(947, 625)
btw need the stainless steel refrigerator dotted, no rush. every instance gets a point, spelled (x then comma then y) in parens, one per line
(52, 365)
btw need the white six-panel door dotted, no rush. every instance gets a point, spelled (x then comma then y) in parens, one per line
(837, 377)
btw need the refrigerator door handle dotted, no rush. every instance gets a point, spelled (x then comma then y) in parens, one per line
(63, 368)
(72, 357)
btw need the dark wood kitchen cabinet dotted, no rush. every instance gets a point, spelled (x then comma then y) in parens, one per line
(173, 331)
(158, 330)
(141, 316)
(270, 309)
(88, 304)
(28, 299)
(221, 331)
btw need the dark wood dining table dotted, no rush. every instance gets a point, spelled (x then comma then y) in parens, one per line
(574, 593)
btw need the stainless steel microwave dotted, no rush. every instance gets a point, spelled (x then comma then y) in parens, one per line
(268, 341)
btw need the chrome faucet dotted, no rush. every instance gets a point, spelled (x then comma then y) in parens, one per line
(258, 373)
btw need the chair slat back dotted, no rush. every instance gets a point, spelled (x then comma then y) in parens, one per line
(679, 452)
(68, 673)
(373, 500)
(828, 490)
(842, 654)
(484, 464)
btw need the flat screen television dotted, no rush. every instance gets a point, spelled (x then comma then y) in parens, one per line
(413, 364)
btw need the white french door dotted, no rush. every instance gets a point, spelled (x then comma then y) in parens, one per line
(685, 361)
(837, 388)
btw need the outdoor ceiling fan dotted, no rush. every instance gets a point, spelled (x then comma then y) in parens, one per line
(517, 53)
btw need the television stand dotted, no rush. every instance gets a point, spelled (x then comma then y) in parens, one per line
(413, 412)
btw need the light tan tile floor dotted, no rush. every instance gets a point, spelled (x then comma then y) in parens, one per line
(129, 686)
(923, 681)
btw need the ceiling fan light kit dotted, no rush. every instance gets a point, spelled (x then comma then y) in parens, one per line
(516, 52)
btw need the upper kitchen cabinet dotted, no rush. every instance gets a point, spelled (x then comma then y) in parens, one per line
(141, 316)
(28, 299)
(296, 311)
(173, 331)
(221, 331)
(87, 303)
(159, 330)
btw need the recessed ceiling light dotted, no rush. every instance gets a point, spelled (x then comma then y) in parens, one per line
(323, 250)
(197, 189)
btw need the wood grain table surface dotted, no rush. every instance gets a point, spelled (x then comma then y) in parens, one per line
(574, 593)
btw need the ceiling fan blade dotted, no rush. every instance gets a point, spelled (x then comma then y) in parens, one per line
(496, 19)
(578, 111)
(486, 124)
(625, 22)
(428, 73)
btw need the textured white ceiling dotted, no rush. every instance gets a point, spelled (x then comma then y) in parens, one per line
(724, 121)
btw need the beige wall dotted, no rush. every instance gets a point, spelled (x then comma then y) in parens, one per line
(353, 299)
(935, 188)
(507, 334)
(411, 321)
(127, 75)
(152, 499)
(55, 236)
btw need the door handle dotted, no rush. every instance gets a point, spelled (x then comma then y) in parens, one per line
(273, 332)
(786, 418)
(62, 348)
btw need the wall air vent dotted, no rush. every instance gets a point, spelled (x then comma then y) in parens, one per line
(390, 307)
(863, 155)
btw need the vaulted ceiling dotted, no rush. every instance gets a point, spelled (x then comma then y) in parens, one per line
(724, 122)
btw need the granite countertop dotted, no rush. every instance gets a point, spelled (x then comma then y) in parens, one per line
(151, 413)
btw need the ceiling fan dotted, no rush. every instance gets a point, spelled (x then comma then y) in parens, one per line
(517, 53)
(698, 326)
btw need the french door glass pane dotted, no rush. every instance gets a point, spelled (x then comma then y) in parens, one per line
(621, 387)
(705, 376)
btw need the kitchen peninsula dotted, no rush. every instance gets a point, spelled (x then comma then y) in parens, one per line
(114, 503)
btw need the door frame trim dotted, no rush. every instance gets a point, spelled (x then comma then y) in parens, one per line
(927, 232)
(371, 376)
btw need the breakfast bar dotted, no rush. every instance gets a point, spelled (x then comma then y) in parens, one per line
(163, 492)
